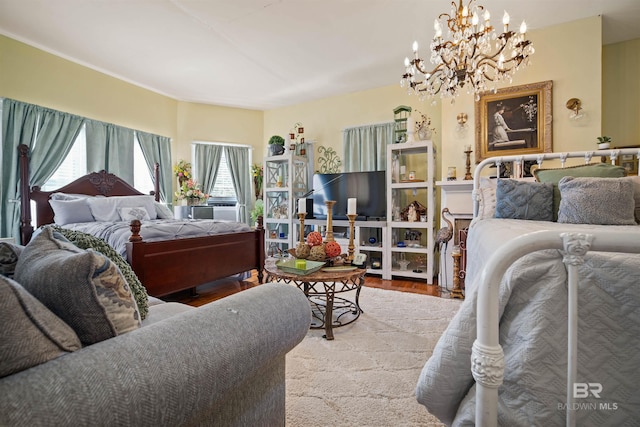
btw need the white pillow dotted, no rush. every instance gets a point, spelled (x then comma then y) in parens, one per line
(106, 208)
(487, 202)
(70, 211)
(163, 211)
(138, 212)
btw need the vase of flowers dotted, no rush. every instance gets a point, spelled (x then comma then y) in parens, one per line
(191, 192)
(182, 171)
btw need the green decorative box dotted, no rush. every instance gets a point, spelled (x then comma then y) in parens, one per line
(289, 266)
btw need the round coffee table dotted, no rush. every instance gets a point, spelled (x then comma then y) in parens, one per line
(321, 288)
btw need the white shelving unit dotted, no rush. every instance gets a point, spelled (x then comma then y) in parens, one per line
(417, 161)
(285, 180)
(362, 233)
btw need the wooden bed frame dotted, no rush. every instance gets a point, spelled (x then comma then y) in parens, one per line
(163, 267)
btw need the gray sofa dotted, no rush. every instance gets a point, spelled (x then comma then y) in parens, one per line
(220, 364)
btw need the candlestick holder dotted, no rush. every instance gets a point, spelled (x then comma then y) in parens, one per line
(301, 218)
(467, 174)
(329, 232)
(456, 292)
(352, 221)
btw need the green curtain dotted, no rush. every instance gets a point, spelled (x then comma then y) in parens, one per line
(110, 147)
(157, 149)
(207, 160)
(365, 147)
(240, 169)
(49, 134)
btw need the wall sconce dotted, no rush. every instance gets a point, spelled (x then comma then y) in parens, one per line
(462, 119)
(461, 128)
(577, 113)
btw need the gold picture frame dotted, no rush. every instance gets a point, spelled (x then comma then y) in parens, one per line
(514, 120)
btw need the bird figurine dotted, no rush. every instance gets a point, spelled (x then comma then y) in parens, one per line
(442, 239)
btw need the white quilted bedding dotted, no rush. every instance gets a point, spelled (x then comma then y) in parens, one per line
(117, 233)
(533, 327)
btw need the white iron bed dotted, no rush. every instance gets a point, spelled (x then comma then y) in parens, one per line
(519, 270)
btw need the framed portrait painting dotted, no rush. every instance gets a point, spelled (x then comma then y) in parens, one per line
(514, 120)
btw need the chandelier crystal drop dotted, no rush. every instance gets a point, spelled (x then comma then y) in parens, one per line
(471, 55)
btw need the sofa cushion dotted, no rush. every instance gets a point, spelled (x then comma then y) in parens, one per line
(9, 253)
(595, 170)
(88, 241)
(82, 287)
(583, 200)
(30, 333)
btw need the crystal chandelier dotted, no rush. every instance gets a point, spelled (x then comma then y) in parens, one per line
(473, 55)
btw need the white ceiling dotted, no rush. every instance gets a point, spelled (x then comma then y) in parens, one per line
(264, 54)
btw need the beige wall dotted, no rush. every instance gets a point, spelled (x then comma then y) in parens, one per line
(30, 75)
(570, 55)
(325, 119)
(201, 122)
(621, 92)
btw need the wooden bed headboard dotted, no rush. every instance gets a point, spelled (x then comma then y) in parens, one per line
(94, 184)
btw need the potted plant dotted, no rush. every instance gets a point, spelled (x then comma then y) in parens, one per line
(604, 142)
(276, 145)
(258, 210)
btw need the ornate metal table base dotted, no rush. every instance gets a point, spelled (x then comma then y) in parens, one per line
(321, 288)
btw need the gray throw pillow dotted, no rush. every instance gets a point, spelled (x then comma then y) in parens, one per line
(524, 200)
(594, 170)
(9, 254)
(82, 287)
(604, 201)
(87, 241)
(30, 334)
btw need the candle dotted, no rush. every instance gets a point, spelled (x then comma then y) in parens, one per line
(351, 206)
(302, 206)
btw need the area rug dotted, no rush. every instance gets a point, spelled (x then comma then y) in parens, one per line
(367, 375)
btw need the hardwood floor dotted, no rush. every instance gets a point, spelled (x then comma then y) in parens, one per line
(226, 287)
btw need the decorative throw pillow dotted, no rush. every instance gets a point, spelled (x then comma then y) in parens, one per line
(82, 287)
(596, 201)
(163, 211)
(635, 180)
(88, 241)
(71, 211)
(524, 200)
(9, 254)
(595, 170)
(128, 214)
(106, 208)
(30, 333)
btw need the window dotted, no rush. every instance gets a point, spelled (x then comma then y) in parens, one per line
(223, 187)
(73, 166)
(142, 178)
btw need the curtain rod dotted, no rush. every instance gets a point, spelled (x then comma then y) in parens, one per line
(222, 143)
(367, 125)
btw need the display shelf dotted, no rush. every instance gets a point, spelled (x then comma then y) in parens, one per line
(415, 159)
(285, 180)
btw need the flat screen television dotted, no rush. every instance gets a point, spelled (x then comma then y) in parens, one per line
(369, 188)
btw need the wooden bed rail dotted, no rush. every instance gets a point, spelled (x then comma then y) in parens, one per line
(613, 154)
(487, 358)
